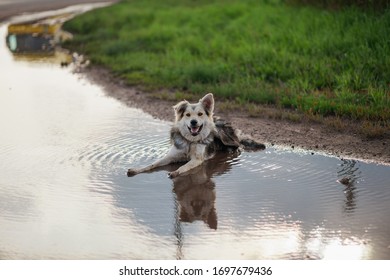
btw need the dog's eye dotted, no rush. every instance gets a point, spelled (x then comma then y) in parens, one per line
(200, 114)
(188, 115)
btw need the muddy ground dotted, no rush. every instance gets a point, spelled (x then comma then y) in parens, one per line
(307, 135)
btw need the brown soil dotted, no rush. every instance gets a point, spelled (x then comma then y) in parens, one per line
(307, 135)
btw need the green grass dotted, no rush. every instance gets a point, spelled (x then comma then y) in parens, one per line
(330, 63)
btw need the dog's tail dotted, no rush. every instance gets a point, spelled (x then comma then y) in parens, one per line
(233, 138)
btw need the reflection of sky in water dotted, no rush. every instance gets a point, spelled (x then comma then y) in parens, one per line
(64, 151)
(287, 217)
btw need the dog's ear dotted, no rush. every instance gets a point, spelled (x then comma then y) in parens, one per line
(208, 103)
(212, 220)
(184, 216)
(180, 109)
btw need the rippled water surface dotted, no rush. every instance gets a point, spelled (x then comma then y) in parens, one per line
(64, 194)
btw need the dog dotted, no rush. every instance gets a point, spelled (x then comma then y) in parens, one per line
(197, 136)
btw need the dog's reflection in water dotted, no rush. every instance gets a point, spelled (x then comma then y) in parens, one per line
(195, 191)
(195, 194)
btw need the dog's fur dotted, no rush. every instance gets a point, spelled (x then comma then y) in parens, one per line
(195, 137)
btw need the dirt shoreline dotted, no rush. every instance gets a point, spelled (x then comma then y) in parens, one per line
(315, 138)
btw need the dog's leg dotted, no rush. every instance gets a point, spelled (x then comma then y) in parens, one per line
(186, 167)
(174, 155)
(197, 152)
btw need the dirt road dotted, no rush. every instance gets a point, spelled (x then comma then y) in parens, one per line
(10, 8)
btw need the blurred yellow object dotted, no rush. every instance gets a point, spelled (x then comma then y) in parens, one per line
(39, 36)
(33, 28)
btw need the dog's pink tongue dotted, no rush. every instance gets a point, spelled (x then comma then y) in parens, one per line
(194, 129)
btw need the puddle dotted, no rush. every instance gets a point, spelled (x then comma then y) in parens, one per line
(64, 194)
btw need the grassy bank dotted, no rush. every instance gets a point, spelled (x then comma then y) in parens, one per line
(377, 5)
(316, 61)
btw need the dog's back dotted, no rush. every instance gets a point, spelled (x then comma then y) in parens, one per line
(229, 138)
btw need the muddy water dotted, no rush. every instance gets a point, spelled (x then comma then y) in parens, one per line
(64, 194)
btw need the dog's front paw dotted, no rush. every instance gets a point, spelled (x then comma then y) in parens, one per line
(131, 172)
(173, 174)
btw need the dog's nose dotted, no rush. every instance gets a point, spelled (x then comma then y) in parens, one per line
(194, 122)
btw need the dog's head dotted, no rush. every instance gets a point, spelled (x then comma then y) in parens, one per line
(195, 121)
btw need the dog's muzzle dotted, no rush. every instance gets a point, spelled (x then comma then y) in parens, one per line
(195, 130)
